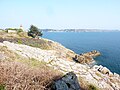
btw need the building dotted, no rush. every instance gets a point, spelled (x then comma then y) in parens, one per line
(1, 30)
(11, 30)
(14, 30)
(21, 27)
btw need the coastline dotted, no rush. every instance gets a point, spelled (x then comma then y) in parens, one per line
(60, 58)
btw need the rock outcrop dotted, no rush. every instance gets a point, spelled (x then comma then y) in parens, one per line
(67, 82)
(95, 76)
(86, 57)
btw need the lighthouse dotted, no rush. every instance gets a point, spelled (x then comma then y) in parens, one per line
(21, 27)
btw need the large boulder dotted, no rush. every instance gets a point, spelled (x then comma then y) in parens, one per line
(83, 59)
(67, 82)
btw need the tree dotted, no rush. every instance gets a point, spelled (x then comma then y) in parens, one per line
(34, 32)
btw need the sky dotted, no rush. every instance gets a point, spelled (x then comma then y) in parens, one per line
(60, 14)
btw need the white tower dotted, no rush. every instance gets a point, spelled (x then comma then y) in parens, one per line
(21, 27)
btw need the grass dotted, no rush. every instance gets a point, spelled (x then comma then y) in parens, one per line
(19, 41)
(2, 87)
(39, 43)
(86, 85)
(33, 62)
(92, 87)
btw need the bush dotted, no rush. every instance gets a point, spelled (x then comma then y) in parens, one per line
(20, 76)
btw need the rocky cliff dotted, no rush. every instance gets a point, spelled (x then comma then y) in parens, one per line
(60, 58)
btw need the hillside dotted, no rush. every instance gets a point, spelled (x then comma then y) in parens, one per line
(47, 58)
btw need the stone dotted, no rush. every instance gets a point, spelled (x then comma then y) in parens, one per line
(67, 82)
(1, 44)
(105, 70)
(86, 57)
(111, 74)
(116, 75)
(60, 85)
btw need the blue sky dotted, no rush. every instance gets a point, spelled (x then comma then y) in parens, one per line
(60, 14)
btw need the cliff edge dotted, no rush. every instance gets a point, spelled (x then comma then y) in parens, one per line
(59, 58)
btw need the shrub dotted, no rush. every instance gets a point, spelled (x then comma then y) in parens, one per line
(20, 76)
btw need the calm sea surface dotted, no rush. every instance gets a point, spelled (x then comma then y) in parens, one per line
(108, 43)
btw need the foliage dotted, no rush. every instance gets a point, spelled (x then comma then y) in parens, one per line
(19, 30)
(34, 32)
(11, 29)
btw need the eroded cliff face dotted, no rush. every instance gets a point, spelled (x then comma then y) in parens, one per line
(60, 58)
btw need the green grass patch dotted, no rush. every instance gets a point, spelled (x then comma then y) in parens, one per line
(92, 87)
(19, 41)
(2, 87)
(32, 62)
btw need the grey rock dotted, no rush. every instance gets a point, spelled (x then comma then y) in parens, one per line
(67, 82)
(60, 85)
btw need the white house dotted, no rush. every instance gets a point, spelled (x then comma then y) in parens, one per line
(1, 30)
(12, 31)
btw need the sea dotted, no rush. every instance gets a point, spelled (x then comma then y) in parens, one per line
(108, 43)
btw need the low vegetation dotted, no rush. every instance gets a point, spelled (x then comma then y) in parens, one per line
(87, 86)
(18, 73)
(2, 87)
(39, 43)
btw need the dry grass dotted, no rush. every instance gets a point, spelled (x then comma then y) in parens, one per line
(4, 34)
(86, 85)
(9, 55)
(19, 76)
(18, 73)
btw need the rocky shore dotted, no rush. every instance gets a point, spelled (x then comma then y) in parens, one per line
(87, 58)
(60, 58)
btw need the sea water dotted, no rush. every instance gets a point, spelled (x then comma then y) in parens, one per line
(108, 43)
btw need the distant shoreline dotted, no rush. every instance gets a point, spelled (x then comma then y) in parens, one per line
(77, 30)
